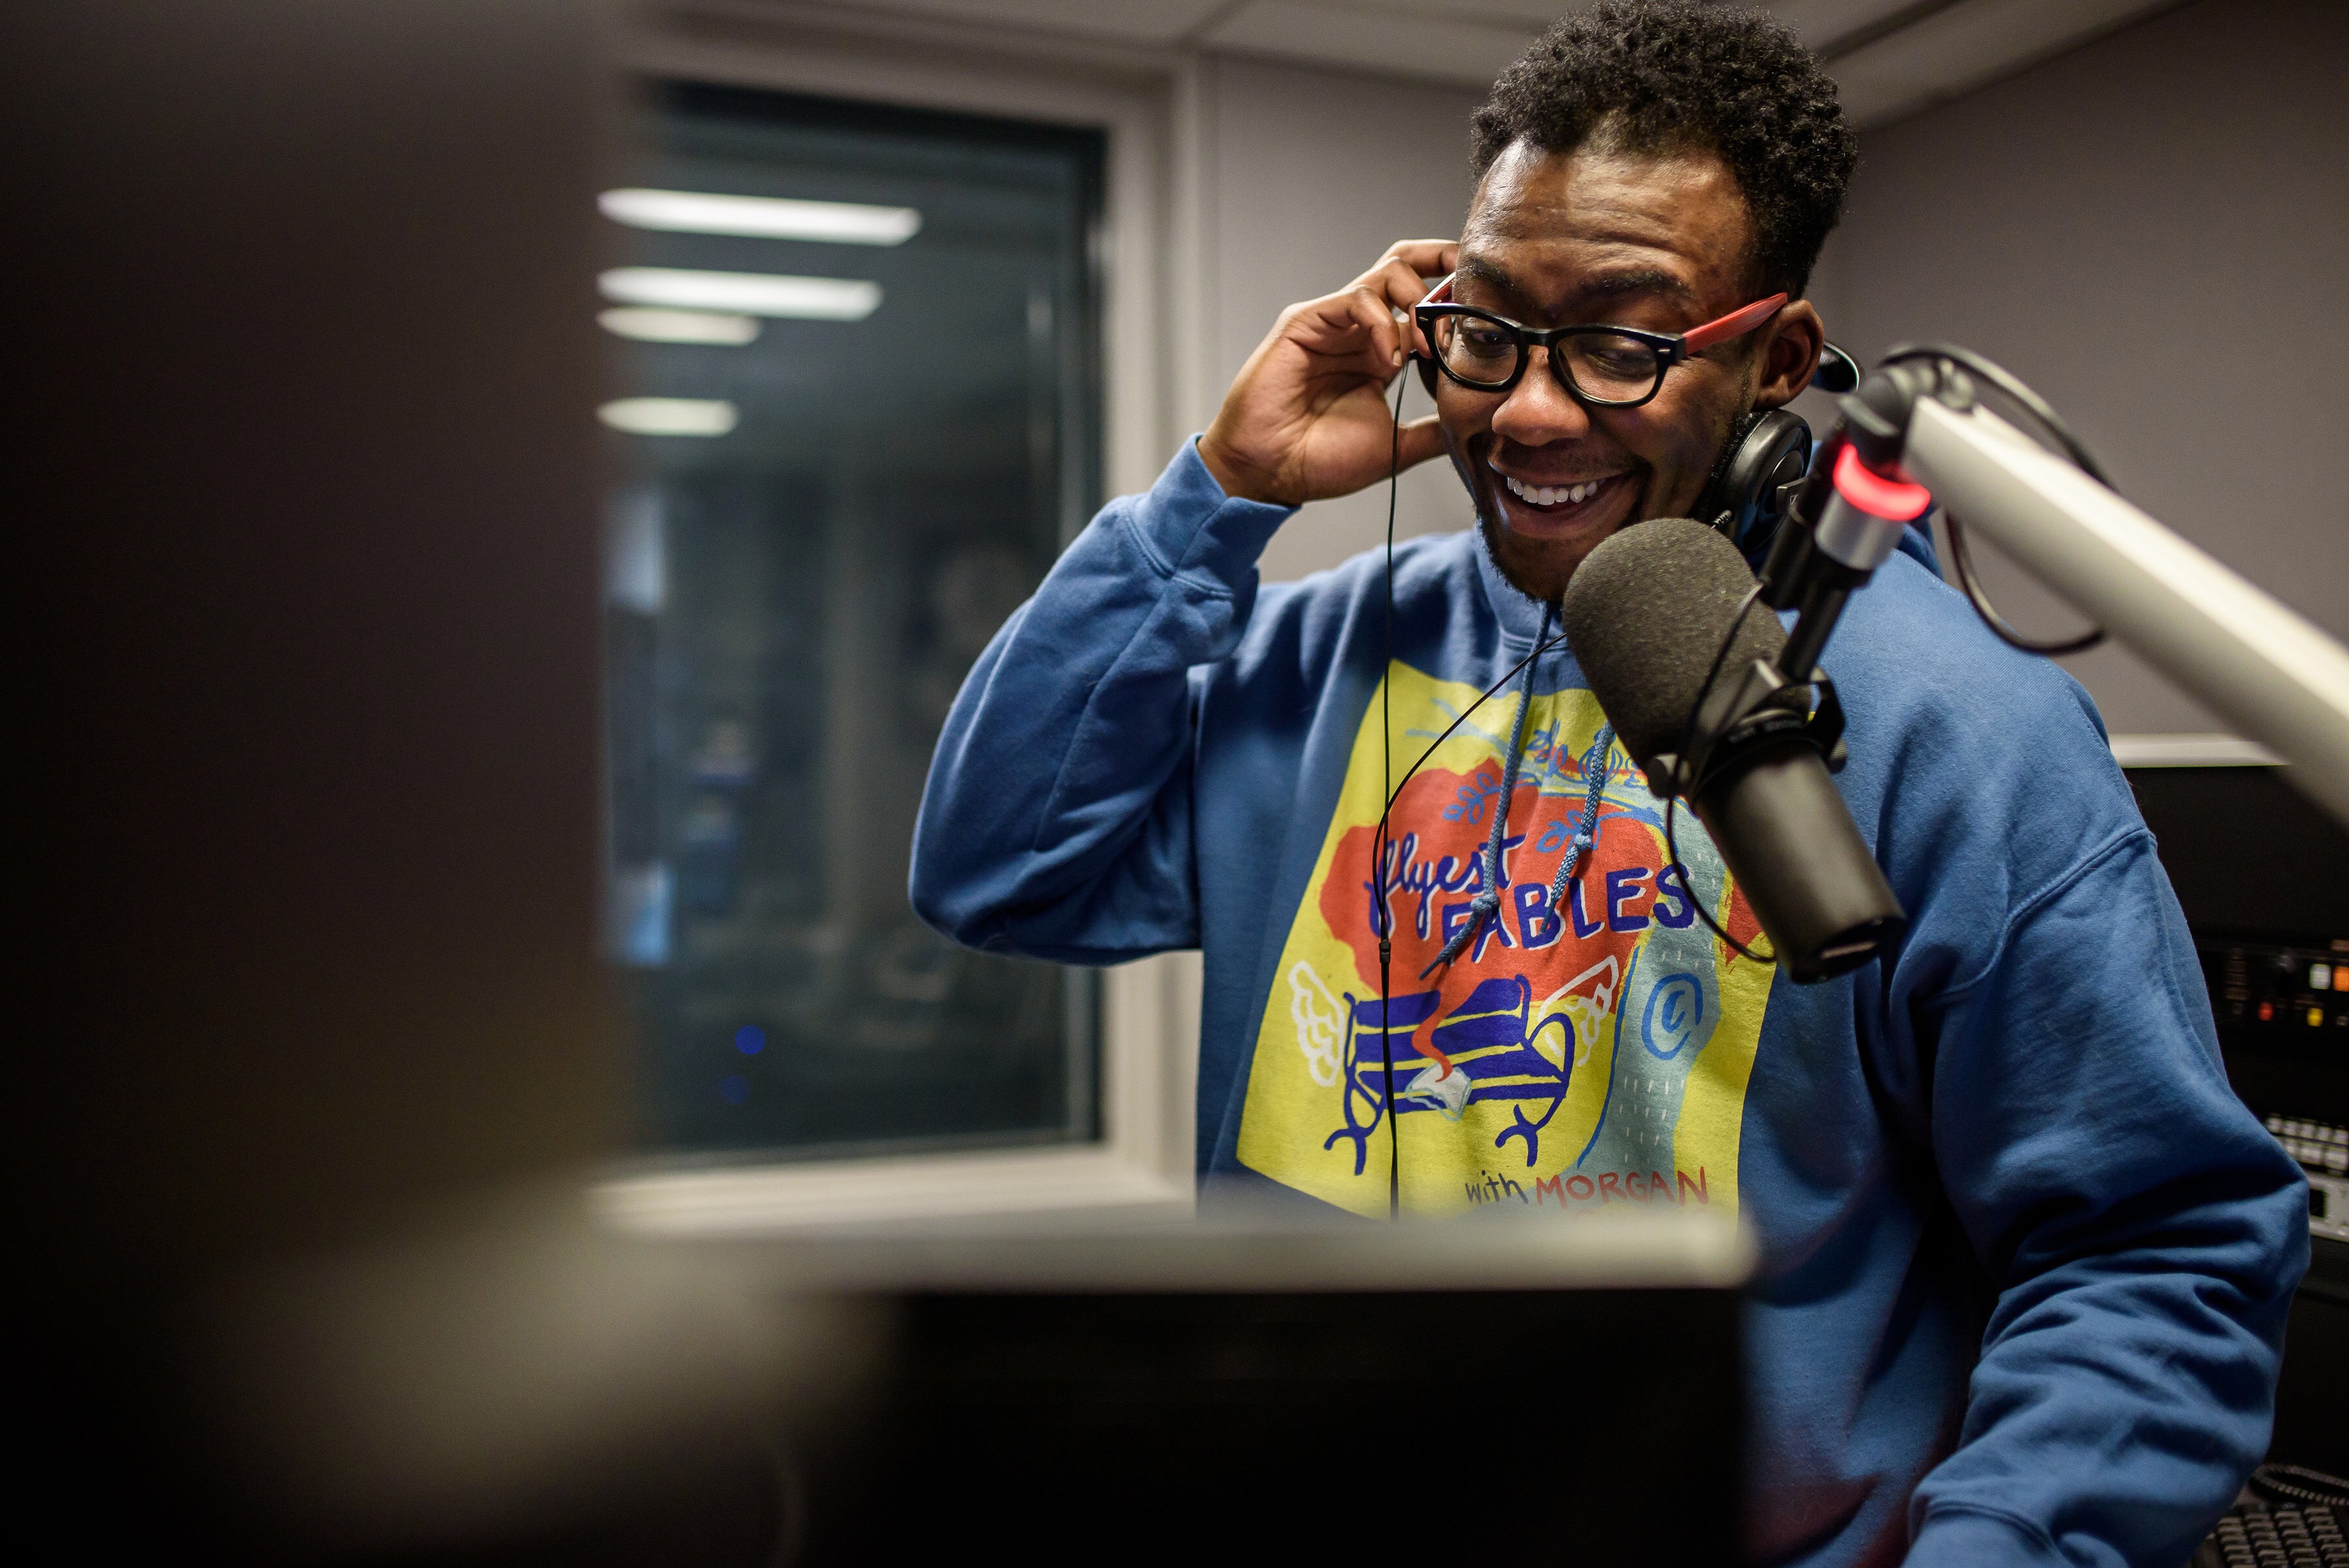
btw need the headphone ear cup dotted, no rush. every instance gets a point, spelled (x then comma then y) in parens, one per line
(1717, 499)
(1769, 450)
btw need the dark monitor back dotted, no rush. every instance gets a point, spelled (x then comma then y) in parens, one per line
(2247, 851)
(1587, 1426)
(2263, 876)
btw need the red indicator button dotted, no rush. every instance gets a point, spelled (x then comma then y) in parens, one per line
(1894, 500)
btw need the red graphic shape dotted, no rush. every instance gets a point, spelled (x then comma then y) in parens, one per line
(1434, 869)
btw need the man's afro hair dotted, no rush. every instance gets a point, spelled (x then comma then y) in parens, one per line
(1662, 76)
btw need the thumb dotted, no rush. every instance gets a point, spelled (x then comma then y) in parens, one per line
(1421, 439)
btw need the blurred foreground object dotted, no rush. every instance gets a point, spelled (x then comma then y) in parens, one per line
(303, 582)
(524, 1390)
(509, 1384)
(304, 527)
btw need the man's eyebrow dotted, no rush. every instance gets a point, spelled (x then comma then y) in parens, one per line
(1641, 280)
(1613, 285)
(1483, 271)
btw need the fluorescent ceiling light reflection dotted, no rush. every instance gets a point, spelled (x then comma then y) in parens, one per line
(744, 293)
(761, 217)
(646, 325)
(670, 416)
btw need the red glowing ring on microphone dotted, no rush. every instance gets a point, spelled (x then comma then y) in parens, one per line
(1894, 500)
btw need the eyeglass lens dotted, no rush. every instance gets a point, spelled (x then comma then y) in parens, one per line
(1604, 366)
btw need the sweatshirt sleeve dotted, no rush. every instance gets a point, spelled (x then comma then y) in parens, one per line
(2143, 1234)
(1057, 819)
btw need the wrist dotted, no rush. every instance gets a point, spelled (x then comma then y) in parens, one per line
(1241, 479)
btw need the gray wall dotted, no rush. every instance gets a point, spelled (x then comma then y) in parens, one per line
(2154, 231)
(1311, 175)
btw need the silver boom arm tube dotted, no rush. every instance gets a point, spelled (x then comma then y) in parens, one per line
(2280, 680)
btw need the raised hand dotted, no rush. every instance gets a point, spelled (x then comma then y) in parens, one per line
(1306, 417)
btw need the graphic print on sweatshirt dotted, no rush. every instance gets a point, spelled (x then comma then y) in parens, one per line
(1590, 1053)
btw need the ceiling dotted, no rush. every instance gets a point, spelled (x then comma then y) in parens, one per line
(1891, 58)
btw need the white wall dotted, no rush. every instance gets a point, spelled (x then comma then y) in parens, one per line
(2154, 231)
(1310, 175)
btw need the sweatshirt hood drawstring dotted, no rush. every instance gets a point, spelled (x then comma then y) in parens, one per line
(1586, 831)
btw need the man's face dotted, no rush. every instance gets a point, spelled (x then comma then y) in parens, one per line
(1598, 236)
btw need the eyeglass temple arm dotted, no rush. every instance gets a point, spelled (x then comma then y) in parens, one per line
(1440, 295)
(1736, 324)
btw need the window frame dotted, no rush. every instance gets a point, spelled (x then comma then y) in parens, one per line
(1141, 1168)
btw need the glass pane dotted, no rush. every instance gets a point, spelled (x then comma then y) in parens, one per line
(859, 421)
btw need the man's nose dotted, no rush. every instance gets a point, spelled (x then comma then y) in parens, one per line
(1538, 409)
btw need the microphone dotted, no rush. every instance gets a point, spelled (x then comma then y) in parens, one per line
(1649, 615)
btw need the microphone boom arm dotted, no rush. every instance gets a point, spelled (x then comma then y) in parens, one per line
(2261, 666)
(1913, 434)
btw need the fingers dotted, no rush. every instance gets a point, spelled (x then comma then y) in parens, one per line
(1428, 258)
(1368, 306)
(1355, 326)
(1398, 279)
(1399, 288)
(1370, 317)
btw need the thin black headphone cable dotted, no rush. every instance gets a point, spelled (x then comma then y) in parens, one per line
(1507, 676)
(1379, 853)
(1385, 919)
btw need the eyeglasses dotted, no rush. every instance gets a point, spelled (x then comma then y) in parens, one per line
(1608, 366)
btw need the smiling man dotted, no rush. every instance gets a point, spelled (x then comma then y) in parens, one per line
(2025, 1258)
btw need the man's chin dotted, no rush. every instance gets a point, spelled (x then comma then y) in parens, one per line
(1536, 568)
(1536, 547)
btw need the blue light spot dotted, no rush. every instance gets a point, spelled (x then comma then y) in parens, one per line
(735, 1087)
(750, 1040)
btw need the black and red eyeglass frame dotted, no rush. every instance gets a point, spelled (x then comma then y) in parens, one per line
(1670, 347)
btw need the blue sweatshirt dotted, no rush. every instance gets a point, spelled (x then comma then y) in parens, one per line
(2026, 1259)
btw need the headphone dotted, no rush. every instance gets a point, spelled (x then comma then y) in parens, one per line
(1759, 469)
(1764, 463)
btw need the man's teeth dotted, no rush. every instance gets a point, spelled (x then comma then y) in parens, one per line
(1551, 495)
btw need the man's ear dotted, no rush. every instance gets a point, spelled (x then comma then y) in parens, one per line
(1790, 355)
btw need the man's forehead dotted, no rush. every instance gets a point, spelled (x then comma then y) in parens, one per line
(1607, 222)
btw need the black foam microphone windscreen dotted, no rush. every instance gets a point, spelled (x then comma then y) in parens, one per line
(1645, 615)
